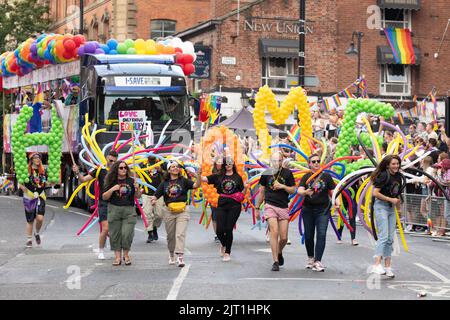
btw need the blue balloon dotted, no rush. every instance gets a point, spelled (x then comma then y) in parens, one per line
(105, 48)
(113, 52)
(112, 44)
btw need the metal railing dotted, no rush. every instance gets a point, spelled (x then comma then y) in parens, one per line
(420, 209)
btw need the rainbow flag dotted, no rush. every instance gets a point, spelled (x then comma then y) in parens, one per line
(295, 131)
(347, 93)
(327, 105)
(401, 45)
(337, 101)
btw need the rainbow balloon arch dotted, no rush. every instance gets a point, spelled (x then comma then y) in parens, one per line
(51, 49)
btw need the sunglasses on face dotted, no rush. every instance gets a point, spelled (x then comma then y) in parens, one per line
(315, 161)
(123, 168)
(229, 163)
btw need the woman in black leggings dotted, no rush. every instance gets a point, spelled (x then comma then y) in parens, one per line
(230, 186)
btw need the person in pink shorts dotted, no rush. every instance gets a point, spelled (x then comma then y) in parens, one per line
(276, 184)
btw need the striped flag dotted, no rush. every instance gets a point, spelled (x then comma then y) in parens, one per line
(347, 93)
(337, 101)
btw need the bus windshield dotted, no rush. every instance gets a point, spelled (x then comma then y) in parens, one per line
(159, 109)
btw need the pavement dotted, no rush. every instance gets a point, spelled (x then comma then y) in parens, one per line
(65, 266)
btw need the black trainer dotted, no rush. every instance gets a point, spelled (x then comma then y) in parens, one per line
(276, 266)
(38, 239)
(155, 234)
(280, 259)
(150, 237)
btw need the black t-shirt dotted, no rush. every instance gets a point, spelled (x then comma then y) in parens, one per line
(156, 177)
(125, 195)
(174, 190)
(277, 198)
(389, 184)
(101, 177)
(37, 181)
(226, 185)
(321, 185)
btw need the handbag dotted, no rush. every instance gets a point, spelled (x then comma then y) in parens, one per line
(177, 207)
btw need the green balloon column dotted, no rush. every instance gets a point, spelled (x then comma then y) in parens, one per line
(20, 141)
(348, 137)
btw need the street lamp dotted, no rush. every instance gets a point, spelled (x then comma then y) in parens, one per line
(356, 50)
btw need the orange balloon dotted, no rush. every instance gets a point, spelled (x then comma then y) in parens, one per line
(169, 50)
(159, 48)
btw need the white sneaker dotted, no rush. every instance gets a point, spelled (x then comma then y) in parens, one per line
(310, 263)
(378, 269)
(101, 256)
(180, 261)
(288, 242)
(171, 260)
(389, 273)
(318, 266)
(226, 257)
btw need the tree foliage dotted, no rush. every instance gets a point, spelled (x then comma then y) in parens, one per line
(19, 19)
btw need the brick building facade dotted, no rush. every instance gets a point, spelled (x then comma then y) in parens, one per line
(122, 19)
(245, 55)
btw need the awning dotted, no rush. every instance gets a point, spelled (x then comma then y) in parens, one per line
(385, 55)
(399, 4)
(278, 48)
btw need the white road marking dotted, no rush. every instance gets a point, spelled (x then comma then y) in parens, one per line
(80, 213)
(263, 250)
(178, 282)
(51, 206)
(433, 272)
(335, 280)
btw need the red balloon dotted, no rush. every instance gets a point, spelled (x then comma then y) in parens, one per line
(79, 40)
(178, 50)
(188, 69)
(178, 58)
(68, 54)
(188, 59)
(69, 45)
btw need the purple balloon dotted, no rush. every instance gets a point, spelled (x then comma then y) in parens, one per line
(33, 49)
(81, 51)
(99, 51)
(89, 47)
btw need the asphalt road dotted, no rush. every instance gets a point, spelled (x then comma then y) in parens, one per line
(65, 266)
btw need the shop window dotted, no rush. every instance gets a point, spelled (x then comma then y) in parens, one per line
(162, 28)
(275, 71)
(395, 80)
(396, 18)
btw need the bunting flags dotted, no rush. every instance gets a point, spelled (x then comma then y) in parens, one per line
(334, 101)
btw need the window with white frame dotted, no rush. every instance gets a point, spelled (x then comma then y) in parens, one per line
(395, 80)
(275, 71)
(396, 18)
(162, 28)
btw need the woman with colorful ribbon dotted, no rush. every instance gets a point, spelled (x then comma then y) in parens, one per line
(315, 213)
(388, 182)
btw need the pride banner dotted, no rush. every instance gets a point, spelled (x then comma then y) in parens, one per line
(401, 45)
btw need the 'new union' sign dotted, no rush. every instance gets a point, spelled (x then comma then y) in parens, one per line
(279, 27)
